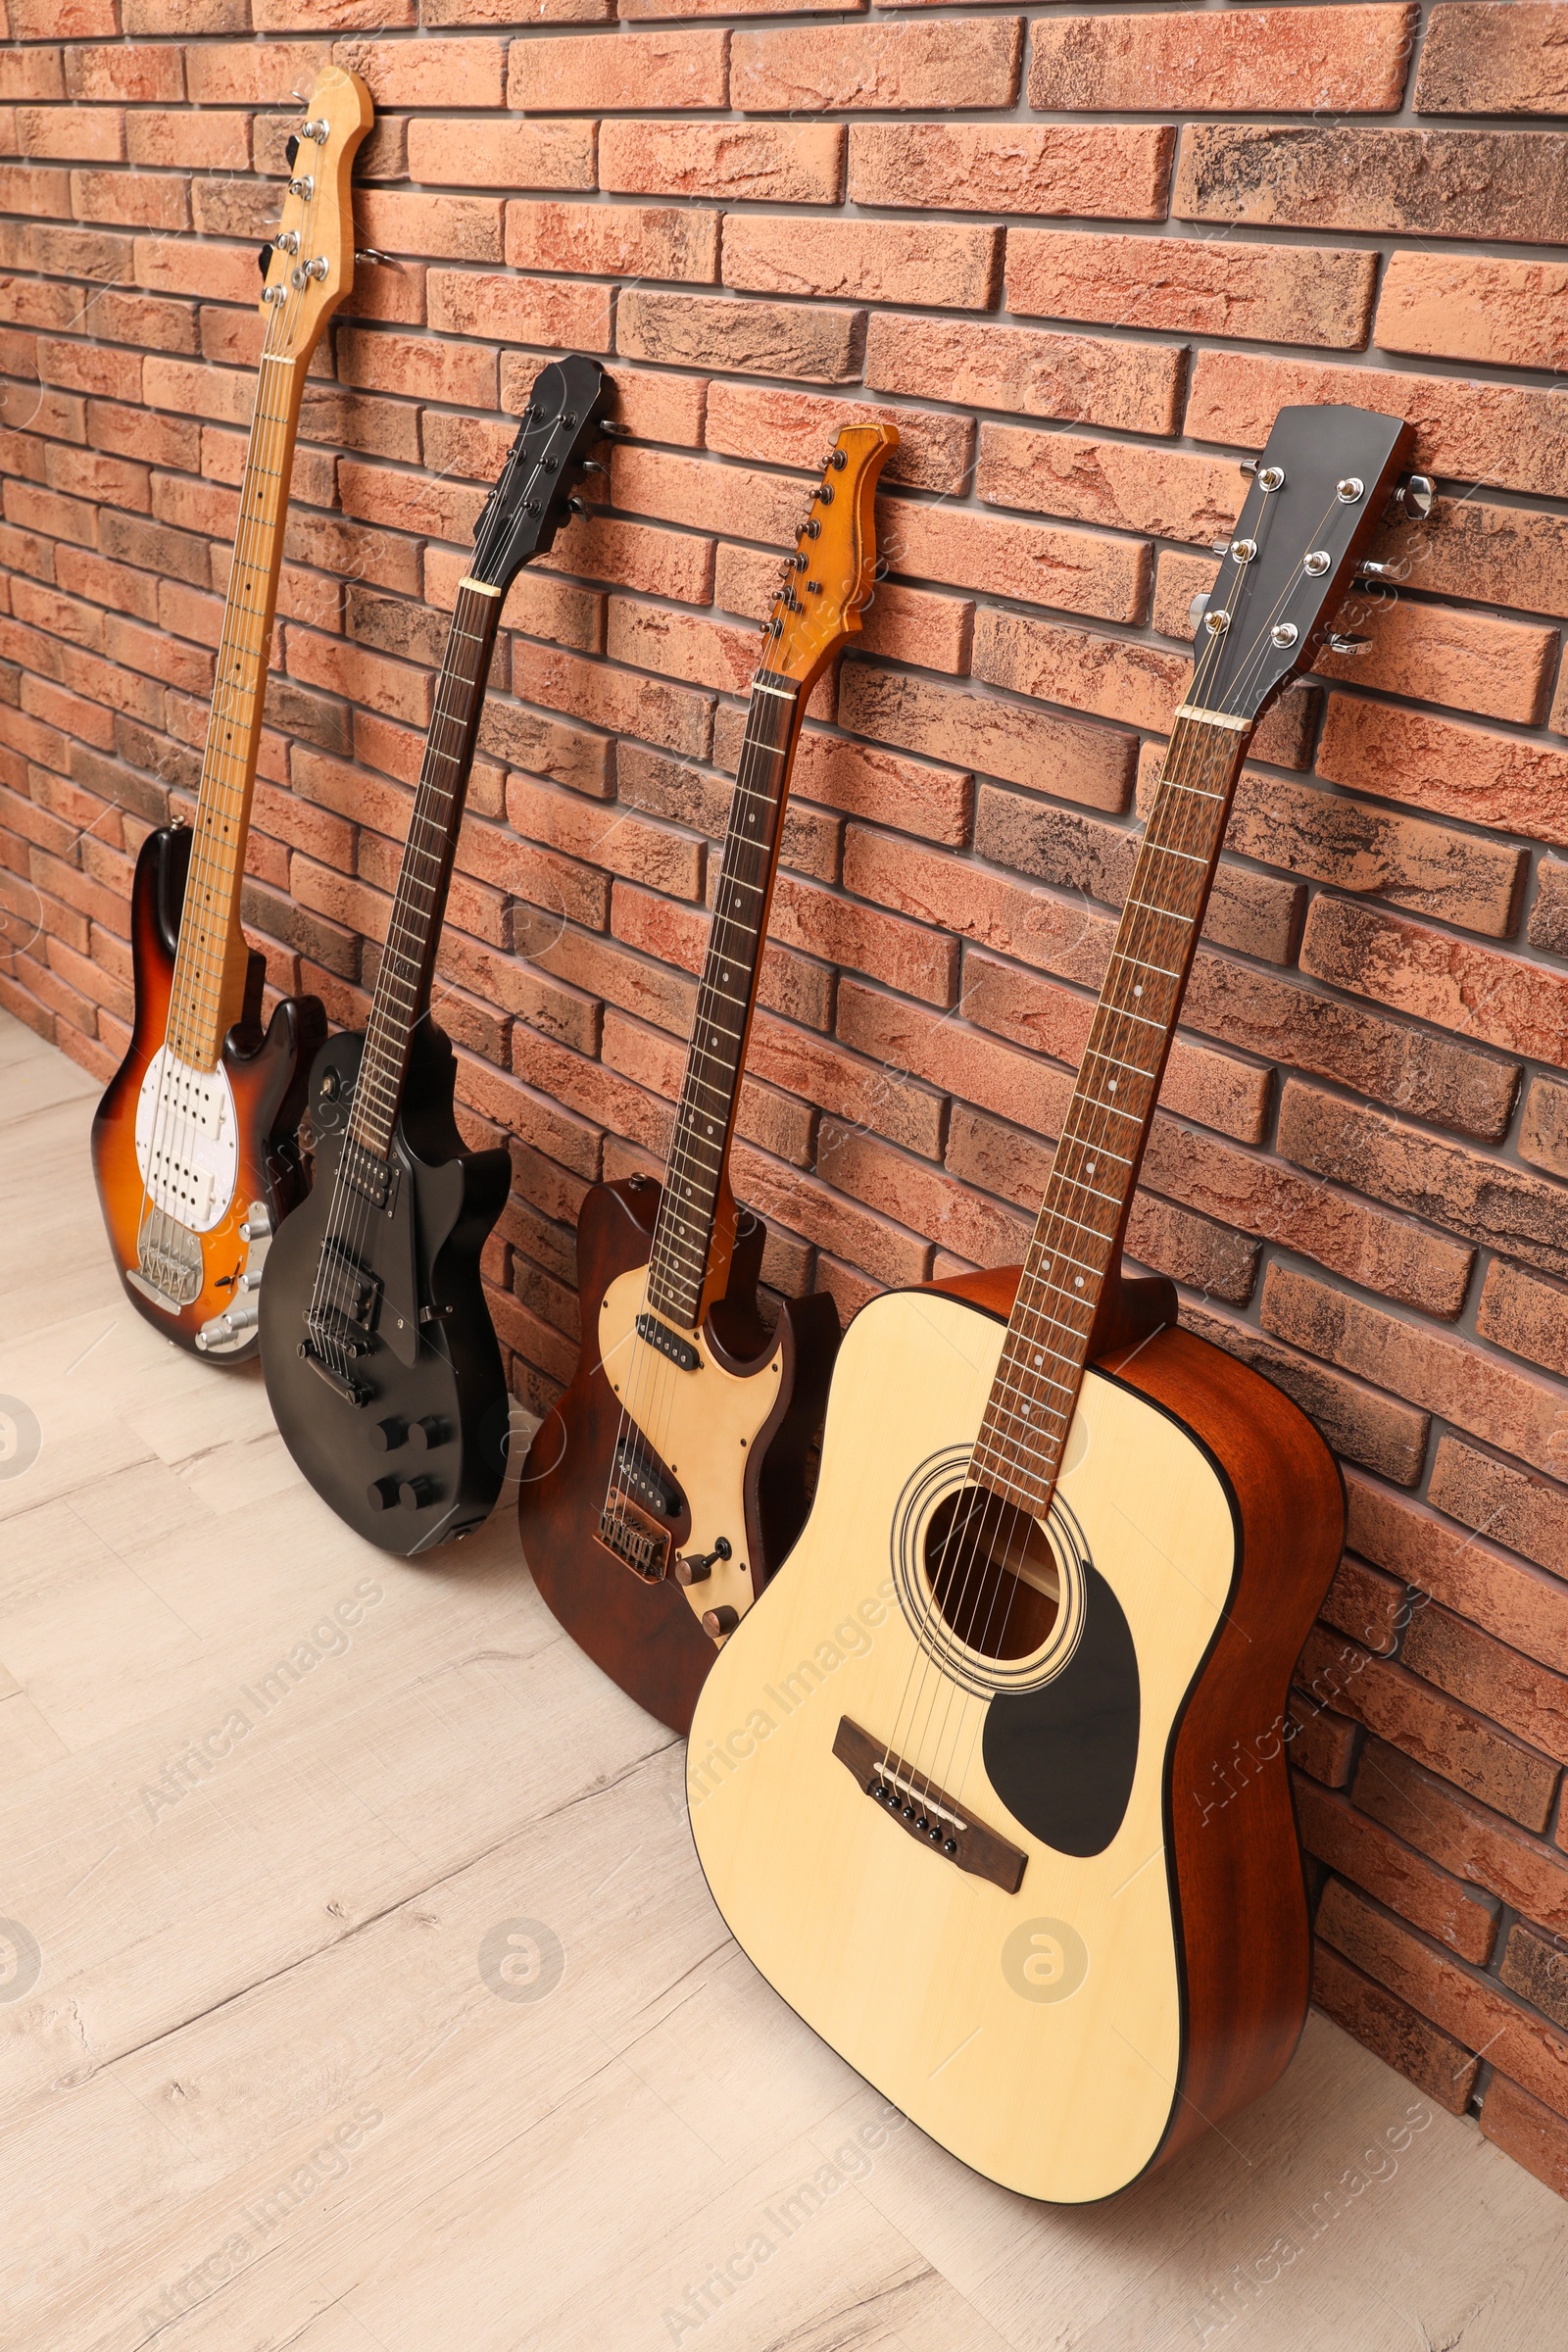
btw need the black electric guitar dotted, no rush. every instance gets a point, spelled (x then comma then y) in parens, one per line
(380, 1359)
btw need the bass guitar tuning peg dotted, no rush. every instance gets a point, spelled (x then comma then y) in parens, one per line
(592, 465)
(370, 253)
(576, 506)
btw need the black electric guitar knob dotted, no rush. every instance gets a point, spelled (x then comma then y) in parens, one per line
(416, 1493)
(387, 1435)
(382, 1494)
(425, 1436)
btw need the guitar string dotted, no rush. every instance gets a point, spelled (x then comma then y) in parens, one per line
(1217, 763)
(174, 1129)
(650, 1380)
(989, 1513)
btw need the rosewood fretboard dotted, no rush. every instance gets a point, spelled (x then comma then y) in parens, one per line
(1076, 1246)
(683, 1236)
(408, 958)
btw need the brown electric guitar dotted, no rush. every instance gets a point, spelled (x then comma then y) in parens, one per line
(669, 1481)
(193, 1142)
(951, 1777)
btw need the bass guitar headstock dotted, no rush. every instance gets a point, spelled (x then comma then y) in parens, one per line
(562, 419)
(828, 579)
(308, 265)
(1317, 496)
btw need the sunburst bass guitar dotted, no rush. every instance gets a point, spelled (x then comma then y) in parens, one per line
(951, 1777)
(193, 1142)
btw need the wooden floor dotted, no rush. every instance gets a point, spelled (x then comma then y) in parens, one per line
(358, 1985)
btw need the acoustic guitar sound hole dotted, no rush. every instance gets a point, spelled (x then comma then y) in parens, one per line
(992, 1573)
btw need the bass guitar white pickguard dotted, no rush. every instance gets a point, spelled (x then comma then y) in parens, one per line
(187, 1140)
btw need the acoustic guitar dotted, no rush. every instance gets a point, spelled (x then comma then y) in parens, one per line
(949, 1779)
(193, 1144)
(670, 1478)
(381, 1362)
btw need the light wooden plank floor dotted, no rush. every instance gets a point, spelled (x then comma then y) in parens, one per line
(359, 1987)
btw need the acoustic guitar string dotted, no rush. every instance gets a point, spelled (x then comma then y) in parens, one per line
(979, 1523)
(1218, 762)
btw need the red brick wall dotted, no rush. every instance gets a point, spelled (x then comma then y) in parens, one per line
(1081, 301)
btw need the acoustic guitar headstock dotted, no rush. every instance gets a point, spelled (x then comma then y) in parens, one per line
(828, 579)
(308, 265)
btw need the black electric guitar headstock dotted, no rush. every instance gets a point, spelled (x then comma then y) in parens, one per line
(1317, 496)
(562, 419)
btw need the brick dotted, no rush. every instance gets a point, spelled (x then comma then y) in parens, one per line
(1524, 1314)
(1500, 1684)
(1113, 170)
(30, 74)
(389, 686)
(736, 499)
(1053, 753)
(1527, 1514)
(1076, 571)
(536, 309)
(1268, 294)
(652, 710)
(1470, 660)
(1534, 1967)
(1459, 986)
(862, 780)
(417, 366)
(1278, 59)
(77, 134)
(468, 153)
(142, 74)
(1547, 926)
(627, 72)
(1533, 2134)
(242, 73)
(1133, 386)
(1465, 1573)
(1503, 312)
(1439, 1372)
(1447, 183)
(1438, 763)
(781, 426)
(1494, 1204)
(978, 1231)
(1344, 1839)
(945, 66)
(1544, 1126)
(626, 240)
(1111, 676)
(1324, 1744)
(1498, 555)
(1393, 2031)
(1447, 1739)
(801, 1204)
(764, 338)
(427, 73)
(909, 957)
(1175, 494)
(29, 188)
(1499, 433)
(1360, 1423)
(1483, 57)
(684, 645)
(778, 163)
(864, 261)
(1461, 1835)
(460, 228)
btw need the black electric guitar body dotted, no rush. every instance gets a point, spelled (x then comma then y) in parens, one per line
(380, 1359)
(392, 1398)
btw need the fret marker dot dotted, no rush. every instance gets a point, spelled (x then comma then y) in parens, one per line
(1039, 1359)
(1138, 990)
(1113, 1086)
(1077, 1282)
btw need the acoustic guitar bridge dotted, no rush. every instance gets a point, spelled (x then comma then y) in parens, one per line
(926, 1812)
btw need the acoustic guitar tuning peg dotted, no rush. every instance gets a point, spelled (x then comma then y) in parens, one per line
(576, 506)
(370, 253)
(1196, 611)
(592, 465)
(1350, 645)
(1413, 500)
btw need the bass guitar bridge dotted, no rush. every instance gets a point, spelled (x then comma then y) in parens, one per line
(926, 1812)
